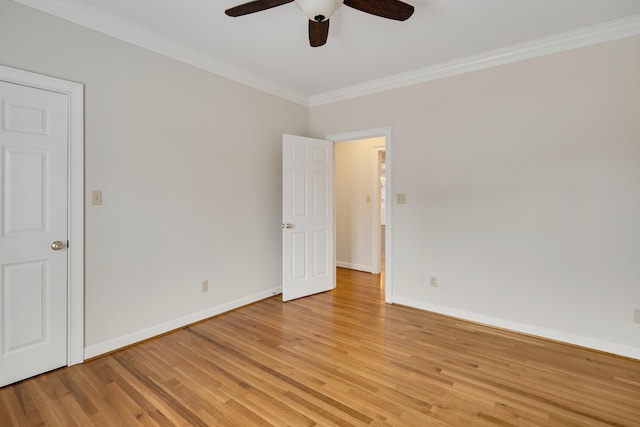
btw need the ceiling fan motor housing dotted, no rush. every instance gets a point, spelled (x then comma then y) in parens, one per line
(318, 10)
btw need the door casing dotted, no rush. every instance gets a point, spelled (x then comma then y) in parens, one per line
(75, 172)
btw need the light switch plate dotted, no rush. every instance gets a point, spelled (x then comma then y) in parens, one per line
(96, 197)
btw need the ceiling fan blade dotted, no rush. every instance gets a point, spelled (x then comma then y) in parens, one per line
(391, 9)
(254, 6)
(318, 32)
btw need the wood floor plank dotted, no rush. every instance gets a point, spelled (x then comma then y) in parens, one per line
(340, 358)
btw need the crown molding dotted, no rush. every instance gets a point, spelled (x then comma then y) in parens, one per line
(79, 13)
(599, 33)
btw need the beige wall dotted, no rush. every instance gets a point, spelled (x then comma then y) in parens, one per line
(190, 168)
(523, 189)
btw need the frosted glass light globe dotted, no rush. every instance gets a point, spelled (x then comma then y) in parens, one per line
(318, 10)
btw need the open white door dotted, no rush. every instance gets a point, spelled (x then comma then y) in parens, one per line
(33, 231)
(308, 262)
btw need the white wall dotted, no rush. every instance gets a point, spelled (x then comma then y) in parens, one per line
(190, 168)
(356, 168)
(523, 192)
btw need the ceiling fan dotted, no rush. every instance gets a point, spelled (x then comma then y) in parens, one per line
(319, 12)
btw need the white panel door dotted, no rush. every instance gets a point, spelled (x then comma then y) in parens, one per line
(33, 215)
(307, 223)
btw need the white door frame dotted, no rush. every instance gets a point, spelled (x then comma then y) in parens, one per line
(75, 209)
(372, 133)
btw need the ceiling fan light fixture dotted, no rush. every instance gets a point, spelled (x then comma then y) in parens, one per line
(318, 10)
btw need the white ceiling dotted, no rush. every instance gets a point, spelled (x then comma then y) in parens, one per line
(270, 49)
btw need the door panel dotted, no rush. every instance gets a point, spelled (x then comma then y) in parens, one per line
(33, 208)
(24, 176)
(308, 249)
(23, 297)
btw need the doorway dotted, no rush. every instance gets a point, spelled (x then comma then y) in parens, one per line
(364, 199)
(358, 204)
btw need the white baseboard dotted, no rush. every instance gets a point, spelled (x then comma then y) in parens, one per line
(352, 266)
(551, 334)
(144, 334)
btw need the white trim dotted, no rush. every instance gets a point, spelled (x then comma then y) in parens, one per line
(599, 33)
(552, 334)
(95, 19)
(386, 133)
(75, 94)
(143, 334)
(111, 25)
(352, 266)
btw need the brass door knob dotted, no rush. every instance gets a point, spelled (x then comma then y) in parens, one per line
(57, 245)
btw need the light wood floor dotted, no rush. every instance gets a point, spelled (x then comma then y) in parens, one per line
(339, 358)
